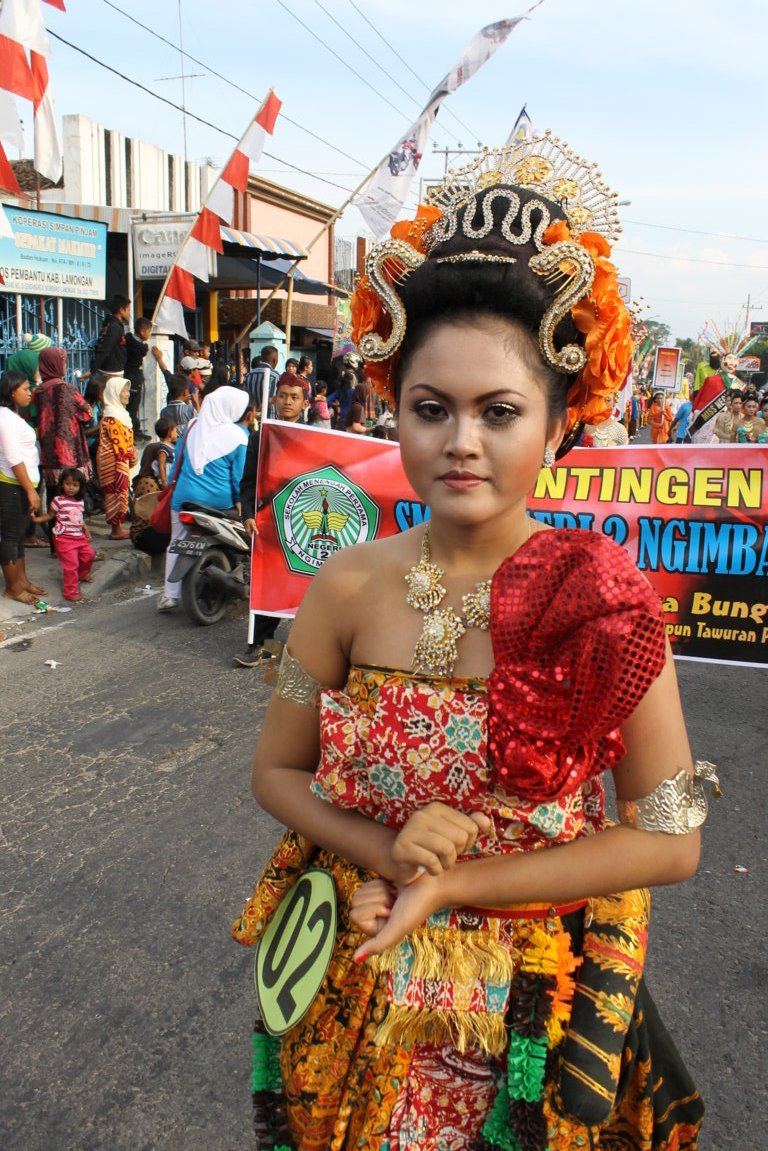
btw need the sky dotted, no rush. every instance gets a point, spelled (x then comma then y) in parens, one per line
(667, 96)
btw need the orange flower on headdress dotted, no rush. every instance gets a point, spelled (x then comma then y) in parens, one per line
(413, 231)
(368, 312)
(604, 320)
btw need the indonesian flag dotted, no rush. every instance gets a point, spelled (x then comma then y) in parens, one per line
(11, 132)
(47, 143)
(22, 29)
(24, 46)
(8, 181)
(383, 196)
(192, 258)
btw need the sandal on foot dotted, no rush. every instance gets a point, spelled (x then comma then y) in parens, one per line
(21, 597)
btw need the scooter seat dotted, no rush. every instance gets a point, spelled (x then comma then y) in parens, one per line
(224, 513)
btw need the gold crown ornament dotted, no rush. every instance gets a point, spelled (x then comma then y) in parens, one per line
(480, 214)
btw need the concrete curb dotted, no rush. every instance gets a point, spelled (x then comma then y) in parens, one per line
(122, 566)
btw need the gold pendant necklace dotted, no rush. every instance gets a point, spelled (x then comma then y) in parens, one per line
(436, 652)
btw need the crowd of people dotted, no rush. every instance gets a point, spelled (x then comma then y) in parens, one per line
(93, 427)
(86, 435)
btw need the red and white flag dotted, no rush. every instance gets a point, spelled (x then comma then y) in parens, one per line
(383, 196)
(11, 128)
(204, 236)
(8, 181)
(48, 160)
(24, 46)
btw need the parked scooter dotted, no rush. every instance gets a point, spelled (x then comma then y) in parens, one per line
(212, 561)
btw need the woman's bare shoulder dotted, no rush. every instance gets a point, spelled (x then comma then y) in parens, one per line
(351, 567)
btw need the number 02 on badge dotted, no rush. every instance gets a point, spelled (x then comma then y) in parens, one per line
(295, 951)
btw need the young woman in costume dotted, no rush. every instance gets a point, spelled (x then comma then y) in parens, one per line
(442, 757)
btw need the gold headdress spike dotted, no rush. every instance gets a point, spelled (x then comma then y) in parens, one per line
(543, 164)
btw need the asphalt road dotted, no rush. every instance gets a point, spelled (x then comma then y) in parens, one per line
(130, 839)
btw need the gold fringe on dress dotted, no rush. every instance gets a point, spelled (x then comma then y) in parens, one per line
(456, 966)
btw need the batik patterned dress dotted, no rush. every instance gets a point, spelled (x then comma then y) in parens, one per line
(114, 457)
(527, 1027)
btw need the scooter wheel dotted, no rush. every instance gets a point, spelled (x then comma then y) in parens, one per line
(202, 600)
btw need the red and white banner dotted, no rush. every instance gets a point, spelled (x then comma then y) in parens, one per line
(24, 46)
(693, 519)
(48, 161)
(191, 261)
(383, 196)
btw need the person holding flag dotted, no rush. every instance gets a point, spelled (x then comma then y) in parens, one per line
(444, 714)
(290, 406)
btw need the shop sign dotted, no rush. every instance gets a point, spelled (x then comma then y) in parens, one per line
(51, 255)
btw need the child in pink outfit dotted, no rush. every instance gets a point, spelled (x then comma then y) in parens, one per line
(71, 536)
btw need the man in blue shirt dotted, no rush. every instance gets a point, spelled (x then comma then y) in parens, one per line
(679, 427)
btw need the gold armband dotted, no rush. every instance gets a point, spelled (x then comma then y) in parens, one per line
(295, 684)
(675, 806)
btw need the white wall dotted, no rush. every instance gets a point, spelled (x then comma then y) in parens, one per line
(84, 162)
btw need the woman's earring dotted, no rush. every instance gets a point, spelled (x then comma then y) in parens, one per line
(549, 457)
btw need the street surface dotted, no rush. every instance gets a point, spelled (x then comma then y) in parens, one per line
(130, 840)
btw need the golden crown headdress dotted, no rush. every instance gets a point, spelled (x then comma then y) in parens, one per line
(477, 215)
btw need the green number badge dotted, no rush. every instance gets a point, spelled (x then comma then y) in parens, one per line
(295, 950)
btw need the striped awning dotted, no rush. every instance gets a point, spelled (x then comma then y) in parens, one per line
(274, 244)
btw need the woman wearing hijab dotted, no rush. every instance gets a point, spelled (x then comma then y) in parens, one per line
(116, 455)
(211, 462)
(26, 359)
(63, 416)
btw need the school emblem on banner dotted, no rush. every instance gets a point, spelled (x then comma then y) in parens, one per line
(319, 512)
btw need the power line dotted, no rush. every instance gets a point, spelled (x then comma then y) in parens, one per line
(373, 60)
(405, 63)
(232, 84)
(697, 260)
(341, 60)
(698, 232)
(186, 112)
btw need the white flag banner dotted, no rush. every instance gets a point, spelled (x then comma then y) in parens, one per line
(11, 129)
(382, 198)
(523, 129)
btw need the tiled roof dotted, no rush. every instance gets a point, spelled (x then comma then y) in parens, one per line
(28, 177)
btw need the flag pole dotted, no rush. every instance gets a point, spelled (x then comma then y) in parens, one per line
(447, 86)
(210, 192)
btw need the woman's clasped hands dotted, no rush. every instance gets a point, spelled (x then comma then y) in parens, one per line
(422, 856)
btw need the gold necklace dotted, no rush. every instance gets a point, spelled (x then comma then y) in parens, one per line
(436, 651)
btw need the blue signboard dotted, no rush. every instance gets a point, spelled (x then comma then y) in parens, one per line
(50, 255)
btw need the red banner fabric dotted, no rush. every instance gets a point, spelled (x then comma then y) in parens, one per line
(319, 491)
(692, 518)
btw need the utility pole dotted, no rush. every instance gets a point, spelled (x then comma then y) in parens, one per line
(460, 151)
(750, 307)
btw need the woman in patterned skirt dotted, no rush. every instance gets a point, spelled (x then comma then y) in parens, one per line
(447, 710)
(116, 455)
